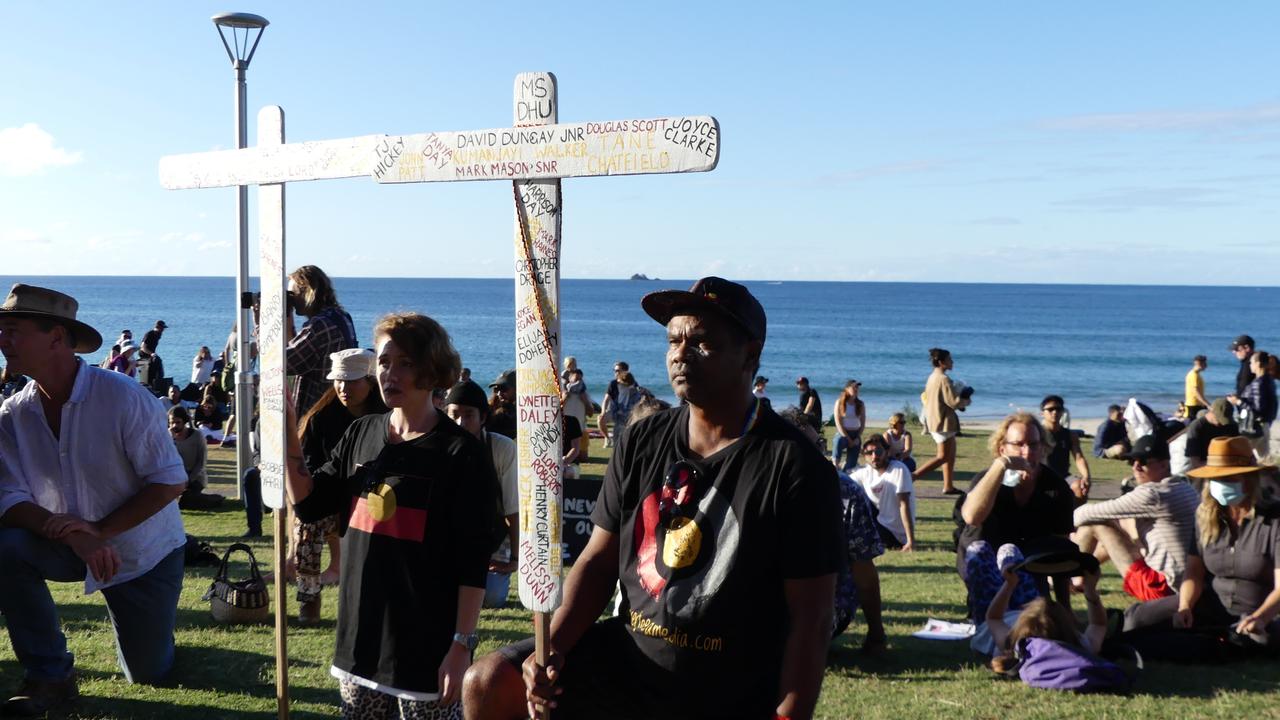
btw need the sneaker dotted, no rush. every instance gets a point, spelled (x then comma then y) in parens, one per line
(38, 697)
(1007, 556)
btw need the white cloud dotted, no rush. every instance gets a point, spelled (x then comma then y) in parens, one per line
(28, 150)
(23, 236)
(111, 241)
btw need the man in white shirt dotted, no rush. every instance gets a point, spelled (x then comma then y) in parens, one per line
(88, 480)
(888, 485)
(467, 405)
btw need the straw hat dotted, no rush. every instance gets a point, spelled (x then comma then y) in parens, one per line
(350, 364)
(1228, 456)
(29, 301)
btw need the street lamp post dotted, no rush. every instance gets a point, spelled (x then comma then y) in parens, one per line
(245, 30)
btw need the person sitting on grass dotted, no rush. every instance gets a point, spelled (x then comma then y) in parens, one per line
(898, 438)
(1164, 510)
(1040, 618)
(1232, 583)
(1063, 446)
(195, 453)
(858, 585)
(888, 485)
(1016, 501)
(1112, 439)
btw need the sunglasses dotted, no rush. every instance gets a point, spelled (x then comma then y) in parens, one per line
(678, 486)
(873, 451)
(1054, 409)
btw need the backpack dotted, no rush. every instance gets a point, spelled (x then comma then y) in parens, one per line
(1054, 665)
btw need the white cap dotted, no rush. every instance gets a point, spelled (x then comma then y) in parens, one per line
(351, 364)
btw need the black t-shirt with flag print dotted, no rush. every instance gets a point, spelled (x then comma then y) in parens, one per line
(705, 546)
(416, 525)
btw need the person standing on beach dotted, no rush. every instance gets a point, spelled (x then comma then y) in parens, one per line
(78, 504)
(620, 369)
(1193, 387)
(721, 523)
(1242, 348)
(1259, 397)
(1062, 446)
(328, 329)
(202, 367)
(577, 404)
(940, 419)
(758, 387)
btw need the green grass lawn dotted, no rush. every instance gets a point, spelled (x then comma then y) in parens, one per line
(228, 672)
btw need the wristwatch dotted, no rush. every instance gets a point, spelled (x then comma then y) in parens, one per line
(468, 641)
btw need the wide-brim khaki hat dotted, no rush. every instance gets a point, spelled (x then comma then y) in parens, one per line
(29, 301)
(1228, 456)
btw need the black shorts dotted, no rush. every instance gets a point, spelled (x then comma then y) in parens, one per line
(887, 537)
(605, 676)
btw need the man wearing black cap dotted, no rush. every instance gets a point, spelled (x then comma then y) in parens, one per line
(1242, 348)
(87, 491)
(721, 523)
(502, 405)
(1163, 508)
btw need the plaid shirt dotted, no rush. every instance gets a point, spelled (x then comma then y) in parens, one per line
(307, 356)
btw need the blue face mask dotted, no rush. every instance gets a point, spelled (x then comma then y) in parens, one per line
(1226, 493)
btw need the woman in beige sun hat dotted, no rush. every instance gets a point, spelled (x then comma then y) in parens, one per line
(1238, 543)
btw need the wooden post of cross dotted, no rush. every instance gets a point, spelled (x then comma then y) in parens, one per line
(535, 155)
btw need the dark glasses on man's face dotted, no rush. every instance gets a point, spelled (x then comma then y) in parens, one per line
(873, 451)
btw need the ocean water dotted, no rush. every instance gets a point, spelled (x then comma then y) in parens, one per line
(1094, 345)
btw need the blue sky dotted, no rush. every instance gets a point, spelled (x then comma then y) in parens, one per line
(996, 142)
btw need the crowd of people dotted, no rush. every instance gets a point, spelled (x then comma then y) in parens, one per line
(737, 544)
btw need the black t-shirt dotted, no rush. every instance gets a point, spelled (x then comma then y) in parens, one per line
(1059, 458)
(416, 520)
(817, 403)
(1048, 512)
(702, 578)
(323, 432)
(1201, 431)
(572, 434)
(151, 340)
(1244, 375)
(502, 420)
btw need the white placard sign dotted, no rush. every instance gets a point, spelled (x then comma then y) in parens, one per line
(612, 147)
(539, 437)
(271, 319)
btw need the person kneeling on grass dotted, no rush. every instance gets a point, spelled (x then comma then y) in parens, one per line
(1164, 509)
(414, 494)
(87, 494)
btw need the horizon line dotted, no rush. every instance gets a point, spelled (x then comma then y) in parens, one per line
(672, 279)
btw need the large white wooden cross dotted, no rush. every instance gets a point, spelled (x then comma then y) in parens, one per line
(535, 154)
